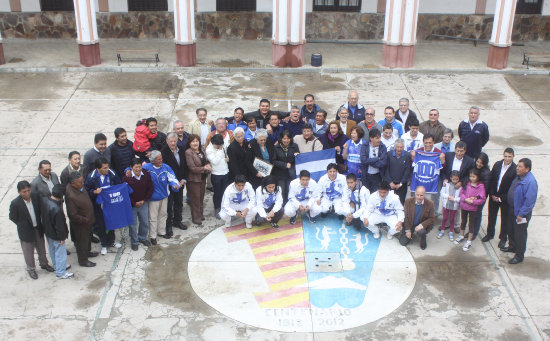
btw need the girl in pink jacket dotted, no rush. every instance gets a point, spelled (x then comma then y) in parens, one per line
(471, 197)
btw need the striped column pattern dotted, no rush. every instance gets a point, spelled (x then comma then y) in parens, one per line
(280, 257)
(289, 32)
(400, 33)
(86, 31)
(501, 37)
(2, 59)
(184, 32)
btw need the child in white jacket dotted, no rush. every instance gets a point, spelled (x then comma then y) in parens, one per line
(384, 206)
(331, 186)
(239, 200)
(302, 194)
(450, 197)
(355, 199)
(269, 202)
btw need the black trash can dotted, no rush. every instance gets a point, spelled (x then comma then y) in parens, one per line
(316, 59)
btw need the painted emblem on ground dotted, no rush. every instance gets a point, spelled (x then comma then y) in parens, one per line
(311, 278)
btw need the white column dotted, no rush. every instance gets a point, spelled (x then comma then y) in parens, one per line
(86, 32)
(501, 37)
(400, 33)
(184, 32)
(289, 32)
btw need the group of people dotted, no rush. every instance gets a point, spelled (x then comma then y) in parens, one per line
(367, 184)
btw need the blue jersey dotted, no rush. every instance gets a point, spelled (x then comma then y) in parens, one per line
(116, 205)
(426, 171)
(354, 158)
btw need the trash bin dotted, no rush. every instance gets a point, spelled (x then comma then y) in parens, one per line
(316, 59)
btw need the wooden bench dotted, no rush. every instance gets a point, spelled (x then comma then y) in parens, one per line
(537, 55)
(138, 55)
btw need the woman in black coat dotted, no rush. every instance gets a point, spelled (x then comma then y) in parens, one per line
(482, 165)
(284, 164)
(335, 138)
(240, 157)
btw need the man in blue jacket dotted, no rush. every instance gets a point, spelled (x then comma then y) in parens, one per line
(373, 161)
(309, 109)
(474, 132)
(522, 197)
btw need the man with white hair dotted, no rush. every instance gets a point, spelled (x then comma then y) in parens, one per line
(404, 114)
(384, 207)
(221, 128)
(302, 194)
(356, 111)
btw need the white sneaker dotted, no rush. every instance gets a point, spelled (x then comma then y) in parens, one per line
(377, 235)
(248, 226)
(451, 237)
(390, 236)
(459, 239)
(467, 246)
(117, 245)
(440, 234)
(103, 251)
(66, 275)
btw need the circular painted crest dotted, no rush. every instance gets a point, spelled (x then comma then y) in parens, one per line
(311, 278)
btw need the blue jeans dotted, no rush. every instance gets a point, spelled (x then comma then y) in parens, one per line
(141, 214)
(58, 254)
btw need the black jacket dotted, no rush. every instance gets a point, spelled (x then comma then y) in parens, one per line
(256, 152)
(281, 159)
(121, 157)
(467, 164)
(407, 123)
(485, 177)
(398, 170)
(181, 170)
(53, 219)
(260, 120)
(240, 161)
(20, 215)
(506, 180)
(159, 142)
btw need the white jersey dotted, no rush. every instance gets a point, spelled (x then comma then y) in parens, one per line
(298, 194)
(332, 190)
(360, 198)
(234, 199)
(389, 206)
(413, 144)
(389, 143)
(265, 200)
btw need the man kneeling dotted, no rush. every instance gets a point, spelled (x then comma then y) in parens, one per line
(331, 186)
(384, 207)
(269, 202)
(357, 196)
(419, 217)
(302, 194)
(238, 200)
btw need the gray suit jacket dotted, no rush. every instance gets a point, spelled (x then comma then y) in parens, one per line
(41, 187)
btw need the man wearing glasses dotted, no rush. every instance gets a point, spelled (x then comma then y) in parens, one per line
(369, 123)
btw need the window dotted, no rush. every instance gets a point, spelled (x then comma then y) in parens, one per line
(529, 7)
(337, 5)
(236, 5)
(147, 5)
(57, 5)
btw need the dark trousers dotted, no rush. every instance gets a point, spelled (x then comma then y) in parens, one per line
(470, 217)
(28, 251)
(404, 240)
(82, 243)
(174, 211)
(196, 199)
(371, 181)
(276, 217)
(219, 184)
(107, 238)
(284, 184)
(505, 230)
(477, 221)
(402, 193)
(519, 240)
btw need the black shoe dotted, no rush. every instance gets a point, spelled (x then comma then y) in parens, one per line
(324, 215)
(48, 268)
(168, 236)
(423, 243)
(348, 223)
(67, 267)
(153, 241)
(341, 217)
(135, 247)
(93, 254)
(274, 225)
(181, 226)
(515, 260)
(145, 242)
(508, 249)
(310, 218)
(502, 244)
(210, 189)
(68, 252)
(32, 274)
(94, 240)
(88, 264)
(293, 220)
(486, 238)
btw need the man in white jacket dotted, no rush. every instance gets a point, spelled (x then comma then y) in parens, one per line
(384, 207)
(239, 200)
(357, 196)
(332, 186)
(302, 194)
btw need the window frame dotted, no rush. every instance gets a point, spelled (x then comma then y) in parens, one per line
(336, 7)
(162, 8)
(233, 5)
(529, 8)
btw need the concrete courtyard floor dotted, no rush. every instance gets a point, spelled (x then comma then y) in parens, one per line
(146, 294)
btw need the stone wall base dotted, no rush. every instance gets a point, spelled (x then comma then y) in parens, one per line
(398, 56)
(289, 55)
(89, 54)
(186, 55)
(498, 57)
(2, 59)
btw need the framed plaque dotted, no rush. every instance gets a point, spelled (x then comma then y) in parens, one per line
(262, 167)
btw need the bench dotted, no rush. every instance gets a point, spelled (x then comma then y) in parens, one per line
(537, 55)
(138, 55)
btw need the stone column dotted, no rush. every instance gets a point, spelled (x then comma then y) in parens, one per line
(501, 37)
(86, 31)
(289, 33)
(2, 59)
(400, 33)
(184, 32)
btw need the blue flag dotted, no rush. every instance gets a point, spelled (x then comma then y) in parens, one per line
(426, 171)
(315, 162)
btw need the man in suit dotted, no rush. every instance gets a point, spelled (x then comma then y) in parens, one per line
(45, 180)
(404, 114)
(419, 218)
(373, 161)
(502, 175)
(458, 161)
(344, 123)
(174, 156)
(25, 213)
